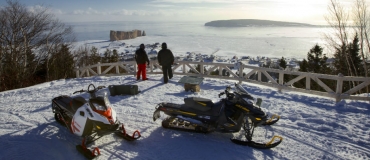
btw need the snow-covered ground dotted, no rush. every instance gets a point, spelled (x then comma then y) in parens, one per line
(313, 127)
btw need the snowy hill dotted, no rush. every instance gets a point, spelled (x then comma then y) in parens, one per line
(312, 127)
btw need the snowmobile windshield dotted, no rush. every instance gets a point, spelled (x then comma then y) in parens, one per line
(243, 94)
(100, 103)
(239, 88)
(246, 98)
(99, 106)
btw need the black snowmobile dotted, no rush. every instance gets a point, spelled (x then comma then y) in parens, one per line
(90, 119)
(238, 110)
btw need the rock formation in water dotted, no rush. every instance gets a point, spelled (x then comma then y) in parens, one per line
(122, 35)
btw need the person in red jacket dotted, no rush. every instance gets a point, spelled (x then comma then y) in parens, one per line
(141, 59)
(166, 59)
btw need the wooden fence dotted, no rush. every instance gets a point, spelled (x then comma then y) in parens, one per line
(272, 77)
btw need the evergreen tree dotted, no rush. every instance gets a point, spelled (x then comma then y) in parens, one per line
(62, 65)
(216, 72)
(107, 55)
(282, 63)
(316, 60)
(339, 63)
(114, 57)
(303, 66)
(347, 60)
(354, 54)
(94, 57)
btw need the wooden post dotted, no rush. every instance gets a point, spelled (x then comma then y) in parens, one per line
(339, 87)
(117, 69)
(281, 77)
(201, 68)
(99, 68)
(183, 68)
(259, 76)
(308, 83)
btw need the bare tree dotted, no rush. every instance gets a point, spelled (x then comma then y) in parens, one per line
(361, 21)
(338, 20)
(27, 38)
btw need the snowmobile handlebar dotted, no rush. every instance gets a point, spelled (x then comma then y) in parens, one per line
(219, 95)
(80, 91)
(90, 90)
(229, 95)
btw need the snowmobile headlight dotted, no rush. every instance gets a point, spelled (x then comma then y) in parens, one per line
(258, 119)
(98, 127)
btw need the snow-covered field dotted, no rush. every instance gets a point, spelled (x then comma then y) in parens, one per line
(312, 127)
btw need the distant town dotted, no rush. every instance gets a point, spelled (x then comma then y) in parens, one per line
(127, 54)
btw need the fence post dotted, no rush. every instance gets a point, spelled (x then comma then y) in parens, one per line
(183, 68)
(117, 69)
(86, 70)
(308, 82)
(281, 77)
(201, 68)
(339, 87)
(99, 68)
(259, 76)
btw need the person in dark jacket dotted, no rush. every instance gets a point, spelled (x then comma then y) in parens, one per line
(166, 59)
(141, 59)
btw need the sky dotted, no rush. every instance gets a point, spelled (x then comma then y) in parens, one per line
(304, 11)
(312, 127)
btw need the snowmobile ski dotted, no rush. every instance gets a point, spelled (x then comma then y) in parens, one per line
(253, 144)
(89, 154)
(273, 119)
(123, 134)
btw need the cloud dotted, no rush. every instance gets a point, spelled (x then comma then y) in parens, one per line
(36, 8)
(288, 10)
(160, 5)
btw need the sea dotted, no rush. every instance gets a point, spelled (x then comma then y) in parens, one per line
(184, 37)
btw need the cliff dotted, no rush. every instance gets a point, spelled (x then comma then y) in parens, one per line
(122, 35)
(251, 22)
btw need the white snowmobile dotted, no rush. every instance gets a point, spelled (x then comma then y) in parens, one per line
(90, 119)
(238, 110)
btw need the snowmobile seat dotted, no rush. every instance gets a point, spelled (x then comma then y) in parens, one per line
(201, 104)
(76, 103)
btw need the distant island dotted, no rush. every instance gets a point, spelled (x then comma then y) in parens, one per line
(251, 23)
